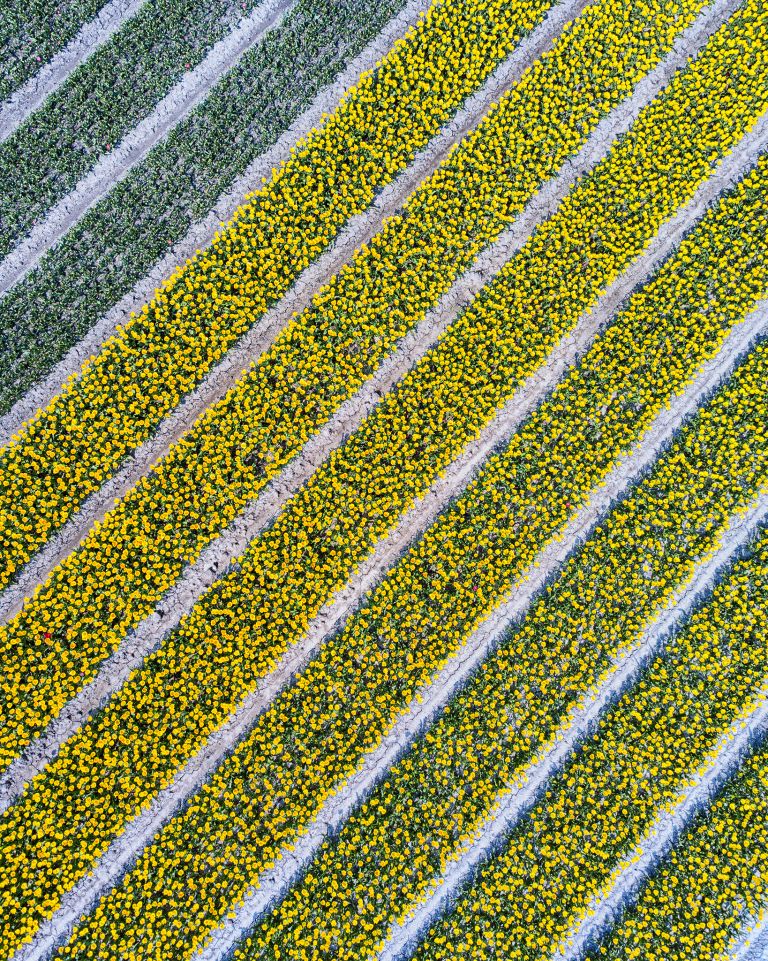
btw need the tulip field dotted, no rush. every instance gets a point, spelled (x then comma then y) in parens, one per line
(384, 499)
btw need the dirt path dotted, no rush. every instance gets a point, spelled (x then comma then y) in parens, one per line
(753, 945)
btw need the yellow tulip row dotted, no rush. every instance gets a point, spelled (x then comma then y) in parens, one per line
(314, 734)
(91, 601)
(593, 817)
(712, 885)
(393, 848)
(163, 714)
(122, 394)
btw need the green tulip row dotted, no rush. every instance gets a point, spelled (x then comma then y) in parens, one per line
(119, 240)
(100, 103)
(32, 32)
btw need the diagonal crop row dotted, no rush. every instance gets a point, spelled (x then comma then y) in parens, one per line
(610, 606)
(56, 643)
(49, 76)
(119, 240)
(101, 101)
(114, 164)
(713, 883)
(31, 33)
(319, 360)
(663, 733)
(359, 683)
(185, 671)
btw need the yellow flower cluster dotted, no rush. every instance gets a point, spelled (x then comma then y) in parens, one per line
(594, 815)
(313, 736)
(142, 373)
(713, 884)
(96, 595)
(118, 762)
(391, 850)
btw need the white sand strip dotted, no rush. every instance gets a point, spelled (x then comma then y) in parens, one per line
(753, 944)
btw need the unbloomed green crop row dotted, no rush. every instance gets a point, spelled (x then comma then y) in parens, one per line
(119, 240)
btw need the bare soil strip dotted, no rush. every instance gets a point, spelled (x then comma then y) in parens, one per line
(753, 946)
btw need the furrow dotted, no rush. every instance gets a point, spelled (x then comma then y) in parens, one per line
(27, 98)
(433, 698)
(753, 945)
(213, 561)
(115, 165)
(485, 266)
(734, 746)
(201, 234)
